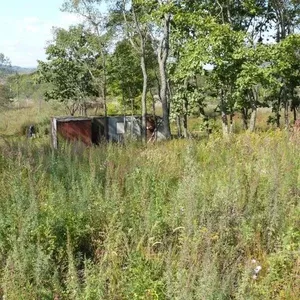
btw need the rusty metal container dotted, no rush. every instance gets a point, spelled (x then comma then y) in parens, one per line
(72, 129)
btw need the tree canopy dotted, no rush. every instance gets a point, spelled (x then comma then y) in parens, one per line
(71, 67)
(242, 54)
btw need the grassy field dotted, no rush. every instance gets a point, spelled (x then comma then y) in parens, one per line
(174, 220)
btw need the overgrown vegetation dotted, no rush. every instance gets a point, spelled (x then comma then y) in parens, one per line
(204, 218)
(180, 220)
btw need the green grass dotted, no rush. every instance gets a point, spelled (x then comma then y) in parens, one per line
(14, 120)
(176, 220)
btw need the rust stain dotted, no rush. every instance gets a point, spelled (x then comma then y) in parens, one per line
(76, 131)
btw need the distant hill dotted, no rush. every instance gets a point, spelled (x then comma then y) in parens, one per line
(22, 70)
(16, 69)
(5, 71)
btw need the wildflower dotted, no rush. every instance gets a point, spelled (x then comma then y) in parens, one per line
(257, 270)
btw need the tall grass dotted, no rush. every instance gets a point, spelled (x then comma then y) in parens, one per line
(176, 220)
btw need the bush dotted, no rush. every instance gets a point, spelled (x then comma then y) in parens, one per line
(176, 220)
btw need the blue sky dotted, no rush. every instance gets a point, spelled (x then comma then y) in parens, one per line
(26, 26)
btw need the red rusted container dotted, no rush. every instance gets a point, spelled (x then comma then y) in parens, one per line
(72, 129)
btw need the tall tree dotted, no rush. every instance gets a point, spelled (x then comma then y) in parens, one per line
(284, 68)
(154, 17)
(284, 17)
(5, 95)
(125, 76)
(136, 30)
(206, 42)
(5, 65)
(96, 21)
(162, 16)
(71, 61)
(252, 80)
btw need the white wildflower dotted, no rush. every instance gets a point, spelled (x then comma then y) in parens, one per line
(257, 270)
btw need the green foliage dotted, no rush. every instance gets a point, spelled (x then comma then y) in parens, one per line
(26, 87)
(113, 109)
(5, 95)
(210, 44)
(179, 220)
(125, 78)
(72, 61)
(5, 66)
(284, 72)
(125, 75)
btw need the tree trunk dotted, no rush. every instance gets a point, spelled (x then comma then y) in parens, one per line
(132, 103)
(225, 124)
(153, 105)
(185, 111)
(295, 113)
(224, 115)
(144, 94)
(286, 114)
(178, 124)
(140, 48)
(231, 123)
(185, 125)
(104, 92)
(278, 118)
(245, 118)
(163, 53)
(253, 119)
(277, 113)
(154, 115)
(103, 87)
(254, 101)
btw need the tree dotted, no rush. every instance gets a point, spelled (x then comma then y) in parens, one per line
(252, 80)
(162, 16)
(5, 65)
(142, 19)
(25, 86)
(124, 74)
(284, 68)
(96, 22)
(284, 16)
(5, 95)
(206, 42)
(228, 36)
(72, 61)
(129, 17)
(137, 32)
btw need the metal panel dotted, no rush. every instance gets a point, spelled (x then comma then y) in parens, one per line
(76, 130)
(98, 130)
(120, 127)
(54, 133)
(92, 130)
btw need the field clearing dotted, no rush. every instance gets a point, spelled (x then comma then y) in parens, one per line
(176, 220)
(183, 219)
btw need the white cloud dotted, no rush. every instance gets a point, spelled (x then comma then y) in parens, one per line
(27, 38)
(31, 28)
(31, 20)
(67, 19)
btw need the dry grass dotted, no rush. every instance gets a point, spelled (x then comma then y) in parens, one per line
(181, 219)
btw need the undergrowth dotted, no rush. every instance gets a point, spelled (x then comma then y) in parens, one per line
(176, 220)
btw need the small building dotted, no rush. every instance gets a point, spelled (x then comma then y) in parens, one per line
(91, 130)
(71, 129)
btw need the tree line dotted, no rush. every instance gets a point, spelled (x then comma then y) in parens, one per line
(236, 56)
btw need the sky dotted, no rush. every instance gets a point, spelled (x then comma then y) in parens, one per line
(26, 26)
